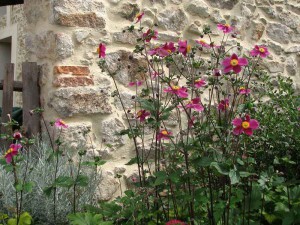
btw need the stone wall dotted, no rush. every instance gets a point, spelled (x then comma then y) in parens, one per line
(63, 35)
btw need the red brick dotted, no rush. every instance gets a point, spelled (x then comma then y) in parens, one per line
(74, 70)
(74, 81)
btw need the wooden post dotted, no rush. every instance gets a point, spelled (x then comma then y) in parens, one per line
(7, 100)
(31, 98)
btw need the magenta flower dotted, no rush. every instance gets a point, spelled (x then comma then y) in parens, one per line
(226, 28)
(200, 83)
(195, 104)
(247, 125)
(139, 16)
(191, 121)
(234, 63)
(59, 123)
(203, 43)
(260, 50)
(101, 50)
(150, 34)
(163, 50)
(244, 91)
(17, 135)
(175, 222)
(137, 83)
(164, 134)
(12, 151)
(183, 47)
(142, 114)
(224, 104)
(179, 91)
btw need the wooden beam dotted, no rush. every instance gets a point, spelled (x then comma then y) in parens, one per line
(31, 73)
(7, 99)
(17, 86)
(10, 2)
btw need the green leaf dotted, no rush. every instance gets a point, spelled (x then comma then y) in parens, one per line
(132, 161)
(87, 219)
(204, 161)
(47, 191)
(220, 168)
(161, 177)
(19, 187)
(64, 181)
(82, 181)
(28, 186)
(234, 176)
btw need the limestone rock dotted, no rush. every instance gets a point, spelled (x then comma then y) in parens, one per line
(274, 67)
(176, 2)
(81, 35)
(293, 49)
(119, 170)
(172, 19)
(258, 30)
(125, 37)
(131, 66)
(291, 66)
(223, 4)
(71, 101)
(42, 44)
(216, 17)
(109, 128)
(169, 36)
(129, 11)
(197, 8)
(128, 100)
(279, 32)
(275, 47)
(289, 19)
(109, 185)
(64, 46)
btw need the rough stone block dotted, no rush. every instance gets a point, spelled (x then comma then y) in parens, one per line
(74, 81)
(73, 70)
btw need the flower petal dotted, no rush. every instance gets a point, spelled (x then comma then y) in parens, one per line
(248, 131)
(243, 61)
(254, 124)
(227, 69)
(237, 68)
(237, 122)
(238, 130)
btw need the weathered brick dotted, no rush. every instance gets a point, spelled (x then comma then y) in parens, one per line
(74, 81)
(74, 70)
(81, 20)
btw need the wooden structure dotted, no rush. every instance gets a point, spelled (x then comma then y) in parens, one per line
(30, 89)
(10, 2)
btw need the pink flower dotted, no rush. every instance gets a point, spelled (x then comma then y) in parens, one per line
(17, 135)
(244, 91)
(139, 16)
(247, 125)
(179, 91)
(163, 50)
(191, 121)
(203, 43)
(298, 108)
(101, 50)
(200, 83)
(226, 28)
(164, 134)
(183, 47)
(195, 104)
(175, 222)
(150, 34)
(217, 72)
(59, 123)
(142, 114)
(12, 151)
(224, 104)
(260, 50)
(234, 63)
(137, 83)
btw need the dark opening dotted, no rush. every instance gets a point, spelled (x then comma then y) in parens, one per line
(10, 2)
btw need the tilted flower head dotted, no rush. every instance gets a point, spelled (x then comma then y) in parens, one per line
(195, 104)
(244, 91)
(12, 151)
(150, 34)
(136, 83)
(203, 43)
(139, 16)
(175, 222)
(224, 104)
(245, 125)
(59, 123)
(234, 63)
(183, 47)
(226, 28)
(179, 91)
(101, 50)
(142, 114)
(200, 83)
(260, 50)
(164, 134)
(163, 50)
(17, 135)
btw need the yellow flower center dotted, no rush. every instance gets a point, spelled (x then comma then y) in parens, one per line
(203, 42)
(139, 113)
(242, 88)
(98, 50)
(175, 88)
(227, 25)
(164, 132)
(9, 151)
(245, 124)
(137, 15)
(188, 48)
(234, 62)
(262, 50)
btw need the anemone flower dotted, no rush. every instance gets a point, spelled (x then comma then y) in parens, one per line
(244, 91)
(260, 50)
(142, 114)
(224, 104)
(59, 123)
(200, 83)
(226, 28)
(101, 50)
(195, 104)
(179, 91)
(245, 125)
(150, 34)
(164, 134)
(183, 47)
(139, 16)
(234, 63)
(12, 151)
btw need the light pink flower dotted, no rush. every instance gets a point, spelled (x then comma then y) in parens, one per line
(183, 47)
(246, 125)
(164, 134)
(142, 114)
(139, 16)
(195, 104)
(59, 123)
(244, 91)
(217, 72)
(137, 83)
(101, 50)
(17, 135)
(163, 50)
(179, 91)
(200, 83)
(298, 108)
(234, 63)
(226, 28)
(260, 50)
(203, 43)
(150, 34)
(175, 222)
(224, 104)
(191, 121)
(12, 151)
